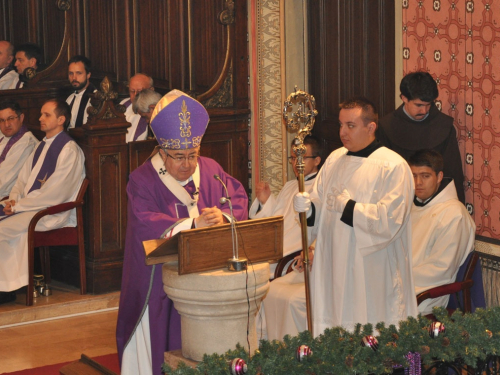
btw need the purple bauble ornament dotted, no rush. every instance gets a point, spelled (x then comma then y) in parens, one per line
(436, 329)
(370, 342)
(303, 351)
(238, 367)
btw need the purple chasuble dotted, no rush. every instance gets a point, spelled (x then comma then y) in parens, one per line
(50, 161)
(12, 141)
(152, 208)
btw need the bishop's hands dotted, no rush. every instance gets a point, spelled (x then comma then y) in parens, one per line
(336, 200)
(302, 203)
(9, 207)
(209, 217)
(262, 192)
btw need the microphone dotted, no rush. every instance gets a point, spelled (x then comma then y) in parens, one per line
(227, 198)
(234, 264)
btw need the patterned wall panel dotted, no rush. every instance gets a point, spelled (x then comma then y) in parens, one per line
(269, 143)
(458, 42)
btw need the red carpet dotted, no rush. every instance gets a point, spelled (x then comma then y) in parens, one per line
(109, 361)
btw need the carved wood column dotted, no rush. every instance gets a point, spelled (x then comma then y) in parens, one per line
(102, 140)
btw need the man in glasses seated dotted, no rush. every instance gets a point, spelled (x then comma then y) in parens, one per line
(174, 190)
(267, 204)
(16, 144)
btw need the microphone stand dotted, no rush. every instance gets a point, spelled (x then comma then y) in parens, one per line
(235, 263)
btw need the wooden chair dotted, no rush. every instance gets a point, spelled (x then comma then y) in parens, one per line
(57, 237)
(469, 270)
(286, 261)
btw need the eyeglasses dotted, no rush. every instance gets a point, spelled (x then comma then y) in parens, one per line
(293, 159)
(8, 119)
(192, 159)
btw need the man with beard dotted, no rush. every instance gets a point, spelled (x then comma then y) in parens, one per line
(78, 75)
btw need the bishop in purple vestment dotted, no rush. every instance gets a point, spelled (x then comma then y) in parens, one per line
(176, 183)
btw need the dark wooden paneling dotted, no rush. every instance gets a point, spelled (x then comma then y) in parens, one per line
(181, 48)
(351, 53)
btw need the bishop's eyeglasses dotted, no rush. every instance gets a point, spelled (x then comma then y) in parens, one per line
(293, 159)
(191, 159)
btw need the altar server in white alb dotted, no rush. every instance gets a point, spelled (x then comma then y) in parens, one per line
(52, 174)
(266, 204)
(360, 215)
(138, 130)
(442, 228)
(16, 144)
(283, 310)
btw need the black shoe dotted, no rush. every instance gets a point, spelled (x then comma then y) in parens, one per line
(6, 297)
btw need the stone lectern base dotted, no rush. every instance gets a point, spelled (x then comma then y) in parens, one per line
(214, 307)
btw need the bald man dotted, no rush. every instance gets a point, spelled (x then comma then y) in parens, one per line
(7, 74)
(139, 129)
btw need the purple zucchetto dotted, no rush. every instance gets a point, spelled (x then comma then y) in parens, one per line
(179, 121)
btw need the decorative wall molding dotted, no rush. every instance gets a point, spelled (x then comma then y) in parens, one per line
(268, 153)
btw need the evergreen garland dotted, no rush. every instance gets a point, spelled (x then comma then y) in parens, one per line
(469, 338)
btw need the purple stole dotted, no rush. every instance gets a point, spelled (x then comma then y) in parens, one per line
(12, 141)
(5, 71)
(50, 161)
(141, 126)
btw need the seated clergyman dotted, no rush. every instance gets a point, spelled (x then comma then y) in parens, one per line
(51, 175)
(16, 144)
(442, 228)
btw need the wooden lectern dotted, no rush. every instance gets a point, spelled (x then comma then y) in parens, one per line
(204, 249)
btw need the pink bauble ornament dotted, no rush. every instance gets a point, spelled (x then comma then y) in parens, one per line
(436, 329)
(370, 342)
(303, 351)
(238, 367)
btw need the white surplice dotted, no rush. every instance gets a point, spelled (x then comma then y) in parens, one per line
(62, 186)
(8, 80)
(14, 160)
(15, 82)
(133, 119)
(283, 205)
(281, 309)
(443, 236)
(362, 274)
